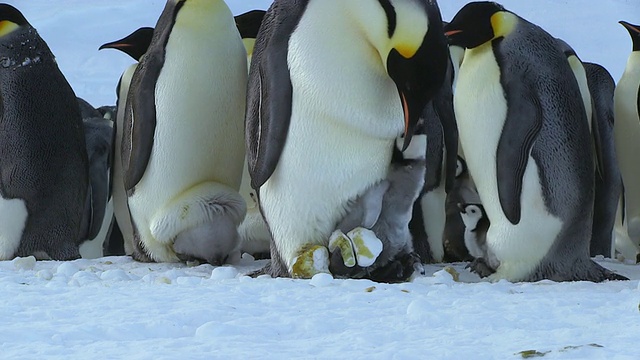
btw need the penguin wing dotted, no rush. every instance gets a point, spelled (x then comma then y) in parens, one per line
(444, 109)
(435, 145)
(140, 111)
(270, 91)
(139, 122)
(521, 128)
(597, 140)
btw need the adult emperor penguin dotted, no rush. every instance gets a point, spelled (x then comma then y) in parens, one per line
(43, 160)
(608, 182)
(627, 132)
(134, 45)
(429, 217)
(254, 233)
(182, 145)
(328, 85)
(597, 96)
(533, 168)
(248, 25)
(99, 137)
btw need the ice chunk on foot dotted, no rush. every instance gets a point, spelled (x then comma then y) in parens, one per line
(366, 245)
(313, 259)
(339, 240)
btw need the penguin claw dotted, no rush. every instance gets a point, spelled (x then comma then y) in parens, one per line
(480, 267)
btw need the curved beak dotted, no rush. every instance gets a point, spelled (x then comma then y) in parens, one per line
(417, 79)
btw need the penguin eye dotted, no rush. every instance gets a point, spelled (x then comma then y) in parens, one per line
(473, 211)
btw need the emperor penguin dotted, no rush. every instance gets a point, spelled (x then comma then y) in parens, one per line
(627, 132)
(608, 182)
(99, 137)
(429, 217)
(254, 234)
(523, 128)
(332, 84)
(248, 25)
(476, 224)
(182, 146)
(134, 45)
(43, 159)
(463, 192)
(600, 119)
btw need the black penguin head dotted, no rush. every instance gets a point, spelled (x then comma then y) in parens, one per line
(634, 31)
(416, 55)
(478, 23)
(10, 19)
(249, 23)
(134, 45)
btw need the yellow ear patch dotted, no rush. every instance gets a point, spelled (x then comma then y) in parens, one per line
(406, 51)
(503, 23)
(248, 45)
(7, 27)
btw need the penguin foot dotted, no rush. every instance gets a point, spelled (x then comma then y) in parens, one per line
(480, 267)
(359, 246)
(397, 270)
(312, 260)
(64, 252)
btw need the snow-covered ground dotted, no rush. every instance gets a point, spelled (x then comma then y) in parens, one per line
(114, 308)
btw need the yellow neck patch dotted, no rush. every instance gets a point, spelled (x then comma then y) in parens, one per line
(7, 27)
(503, 23)
(412, 25)
(248, 45)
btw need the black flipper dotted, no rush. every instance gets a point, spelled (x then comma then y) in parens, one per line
(140, 117)
(517, 138)
(597, 141)
(443, 105)
(270, 91)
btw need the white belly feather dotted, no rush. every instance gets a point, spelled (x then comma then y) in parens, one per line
(14, 219)
(480, 109)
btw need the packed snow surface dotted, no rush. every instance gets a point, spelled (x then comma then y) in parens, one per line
(113, 307)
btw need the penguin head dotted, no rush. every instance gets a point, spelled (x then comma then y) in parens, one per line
(408, 36)
(461, 167)
(471, 214)
(634, 31)
(478, 23)
(248, 25)
(10, 19)
(134, 45)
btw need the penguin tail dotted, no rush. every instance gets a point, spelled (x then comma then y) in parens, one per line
(196, 206)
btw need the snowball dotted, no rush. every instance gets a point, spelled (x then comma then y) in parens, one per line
(224, 273)
(321, 280)
(45, 274)
(115, 275)
(24, 263)
(67, 269)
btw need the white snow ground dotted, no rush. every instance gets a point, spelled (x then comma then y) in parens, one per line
(114, 308)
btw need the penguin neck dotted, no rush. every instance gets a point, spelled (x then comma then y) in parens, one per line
(633, 64)
(205, 14)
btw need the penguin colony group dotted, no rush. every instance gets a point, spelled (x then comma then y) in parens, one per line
(363, 148)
